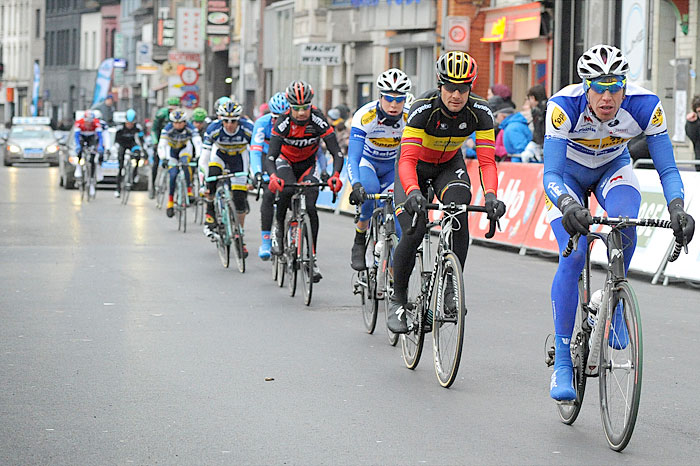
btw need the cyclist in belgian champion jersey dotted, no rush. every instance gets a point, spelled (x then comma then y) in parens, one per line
(588, 126)
(291, 157)
(438, 123)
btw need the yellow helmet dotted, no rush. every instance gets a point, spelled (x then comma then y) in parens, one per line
(455, 67)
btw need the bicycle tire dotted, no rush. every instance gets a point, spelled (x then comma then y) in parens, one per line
(126, 185)
(281, 270)
(180, 202)
(387, 267)
(291, 256)
(82, 186)
(579, 355)
(90, 182)
(370, 305)
(412, 342)
(236, 238)
(161, 187)
(448, 330)
(223, 249)
(306, 259)
(611, 385)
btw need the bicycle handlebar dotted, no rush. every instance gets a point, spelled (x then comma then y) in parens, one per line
(622, 222)
(226, 176)
(456, 208)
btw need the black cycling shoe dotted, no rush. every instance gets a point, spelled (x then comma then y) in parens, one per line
(357, 261)
(317, 273)
(397, 317)
(170, 212)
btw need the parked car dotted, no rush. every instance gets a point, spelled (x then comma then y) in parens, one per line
(68, 160)
(30, 140)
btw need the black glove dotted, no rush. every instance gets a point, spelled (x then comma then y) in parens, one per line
(683, 224)
(258, 179)
(357, 196)
(415, 202)
(164, 163)
(325, 176)
(494, 208)
(575, 217)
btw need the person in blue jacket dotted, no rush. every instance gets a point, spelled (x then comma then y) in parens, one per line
(516, 135)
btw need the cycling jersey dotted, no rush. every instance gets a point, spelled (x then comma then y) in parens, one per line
(297, 142)
(434, 134)
(127, 137)
(228, 144)
(160, 121)
(172, 141)
(574, 133)
(372, 140)
(88, 130)
(260, 141)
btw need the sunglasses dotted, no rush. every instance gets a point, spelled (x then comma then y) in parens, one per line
(301, 108)
(230, 120)
(451, 87)
(394, 98)
(614, 86)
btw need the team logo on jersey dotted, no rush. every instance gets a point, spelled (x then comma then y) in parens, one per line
(658, 118)
(443, 126)
(386, 142)
(558, 117)
(587, 119)
(614, 123)
(462, 125)
(369, 116)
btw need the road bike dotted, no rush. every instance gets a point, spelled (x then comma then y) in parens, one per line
(228, 231)
(161, 185)
(88, 182)
(181, 201)
(127, 179)
(298, 246)
(436, 295)
(375, 283)
(610, 349)
(198, 200)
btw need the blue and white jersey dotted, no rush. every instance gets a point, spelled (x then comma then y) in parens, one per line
(574, 134)
(260, 140)
(178, 139)
(371, 139)
(229, 144)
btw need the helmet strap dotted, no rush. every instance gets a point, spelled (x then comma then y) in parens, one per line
(385, 118)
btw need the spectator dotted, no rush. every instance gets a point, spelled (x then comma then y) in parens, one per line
(106, 107)
(502, 91)
(501, 110)
(341, 130)
(692, 128)
(516, 135)
(537, 98)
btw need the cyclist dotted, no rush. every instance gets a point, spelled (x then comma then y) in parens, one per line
(261, 138)
(374, 145)
(219, 102)
(200, 121)
(88, 133)
(177, 140)
(159, 122)
(438, 123)
(291, 157)
(231, 134)
(587, 129)
(129, 136)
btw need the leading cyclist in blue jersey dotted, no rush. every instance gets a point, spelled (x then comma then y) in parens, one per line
(375, 141)
(588, 126)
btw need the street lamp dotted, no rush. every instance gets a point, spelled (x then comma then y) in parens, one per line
(228, 80)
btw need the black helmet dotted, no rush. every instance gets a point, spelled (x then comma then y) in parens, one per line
(299, 93)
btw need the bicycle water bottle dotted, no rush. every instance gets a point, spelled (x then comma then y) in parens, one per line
(593, 307)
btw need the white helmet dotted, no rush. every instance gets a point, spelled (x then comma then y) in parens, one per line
(98, 114)
(409, 99)
(393, 80)
(601, 60)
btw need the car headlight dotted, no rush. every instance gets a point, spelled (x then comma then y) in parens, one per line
(73, 160)
(14, 149)
(52, 149)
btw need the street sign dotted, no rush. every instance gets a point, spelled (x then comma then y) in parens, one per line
(144, 52)
(169, 69)
(120, 63)
(190, 37)
(189, 99)
(320, 54)
(457, 33)
(189, 76)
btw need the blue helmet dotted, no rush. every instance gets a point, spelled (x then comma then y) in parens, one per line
(278, 104)
(131, 115)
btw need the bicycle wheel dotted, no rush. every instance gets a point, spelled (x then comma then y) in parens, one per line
(292, 255)
(568, 412)
(222, 247)
(387, 269)
(448, 320)
(306, 259)
(236, 238)
(161, 187)
(90, 182)
(412, 342)
(82, 185)
(621, 369)
(197, 199)
(126, 183)
(368, 277)
(180, 205)
(281, 269)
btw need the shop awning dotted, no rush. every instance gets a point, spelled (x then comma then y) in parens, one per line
(512, 23)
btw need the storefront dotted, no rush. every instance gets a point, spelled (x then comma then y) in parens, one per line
(521, 47)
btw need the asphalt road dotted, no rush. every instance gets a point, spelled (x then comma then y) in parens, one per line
(124, 341)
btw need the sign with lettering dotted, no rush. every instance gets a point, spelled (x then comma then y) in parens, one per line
(321, 54)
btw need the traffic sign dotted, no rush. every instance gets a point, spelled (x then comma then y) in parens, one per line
(189, 99)
(457, 33)
(189, 76)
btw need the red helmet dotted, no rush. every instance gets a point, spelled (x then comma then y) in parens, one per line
(299, 93)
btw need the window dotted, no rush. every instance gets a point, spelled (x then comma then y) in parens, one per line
(410, 62)
(395, 60)
(37, 24)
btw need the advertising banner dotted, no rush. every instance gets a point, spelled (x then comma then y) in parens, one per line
(102, 82)
(35, 89)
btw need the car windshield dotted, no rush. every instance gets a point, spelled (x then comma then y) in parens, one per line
(31, 133)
